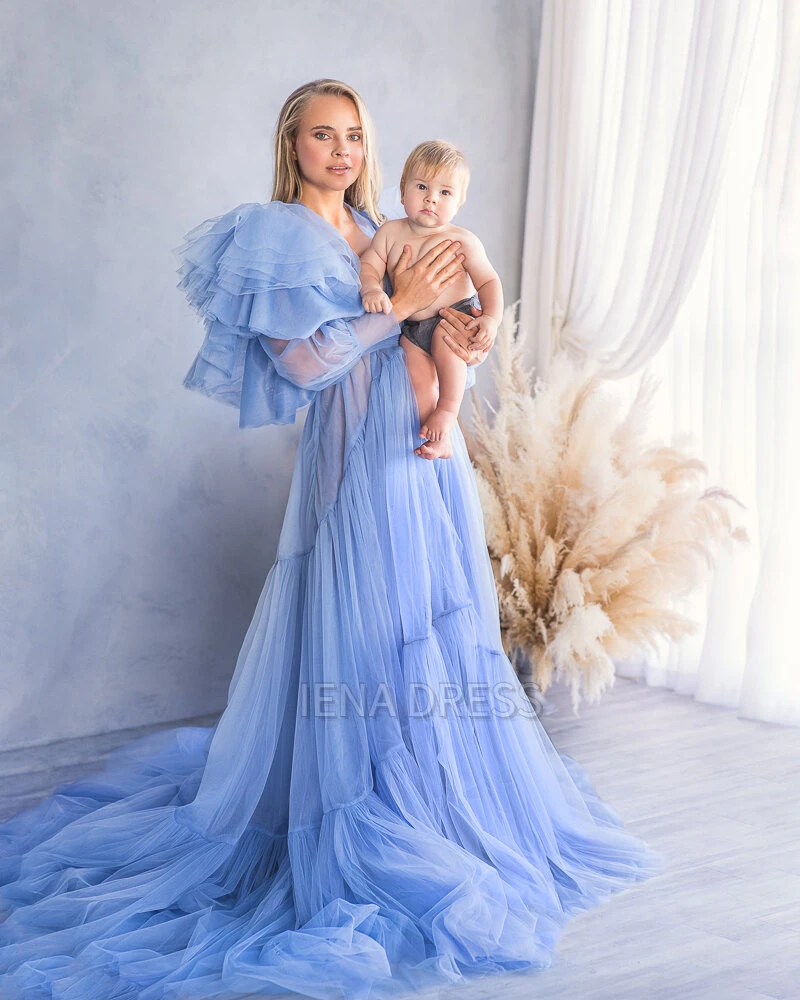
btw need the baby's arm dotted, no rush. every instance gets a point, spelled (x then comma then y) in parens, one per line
(490, 292)
(373, 269)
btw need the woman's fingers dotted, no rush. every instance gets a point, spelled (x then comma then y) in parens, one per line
(402, 262)
(455, 333)
(448, 273)
(453, 339)
(455, 317)
(454, 328)
(439, 250)
(448, 260)
(444, 265)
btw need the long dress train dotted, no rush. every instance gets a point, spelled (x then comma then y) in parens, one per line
(356, 824)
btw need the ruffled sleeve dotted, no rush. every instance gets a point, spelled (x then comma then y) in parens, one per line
(278, 290)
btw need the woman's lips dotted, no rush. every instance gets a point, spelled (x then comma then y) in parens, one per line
(339, 170)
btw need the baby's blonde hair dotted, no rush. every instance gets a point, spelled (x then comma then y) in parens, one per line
(287, 184)
(430, 158)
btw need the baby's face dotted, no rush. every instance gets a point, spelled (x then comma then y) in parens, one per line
(432, 201)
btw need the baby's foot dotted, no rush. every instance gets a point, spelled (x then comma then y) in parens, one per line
(438, 424)
(435, 449)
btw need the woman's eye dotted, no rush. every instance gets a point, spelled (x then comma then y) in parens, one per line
(356, 136)
(317, 135)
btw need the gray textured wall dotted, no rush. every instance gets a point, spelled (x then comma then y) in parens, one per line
(138, 521)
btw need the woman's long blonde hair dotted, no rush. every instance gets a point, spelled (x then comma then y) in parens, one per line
(287, 185)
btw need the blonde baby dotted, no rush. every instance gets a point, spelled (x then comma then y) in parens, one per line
(433, 187)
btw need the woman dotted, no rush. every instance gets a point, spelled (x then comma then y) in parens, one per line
(330, 836)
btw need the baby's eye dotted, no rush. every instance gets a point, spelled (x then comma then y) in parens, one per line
(445, 192)
(422, 187)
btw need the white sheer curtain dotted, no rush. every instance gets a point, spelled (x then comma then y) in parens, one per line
(662, 229)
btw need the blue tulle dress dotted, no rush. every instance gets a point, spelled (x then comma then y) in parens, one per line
(343, 831)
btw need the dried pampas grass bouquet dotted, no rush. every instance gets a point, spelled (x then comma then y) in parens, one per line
(592, 531)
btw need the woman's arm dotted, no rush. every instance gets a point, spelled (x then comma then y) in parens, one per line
(237, 276)
(330, 352)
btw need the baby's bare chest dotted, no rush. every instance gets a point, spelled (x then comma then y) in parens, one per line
(419, 246)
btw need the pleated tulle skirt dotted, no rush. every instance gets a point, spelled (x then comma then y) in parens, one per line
(377, 810)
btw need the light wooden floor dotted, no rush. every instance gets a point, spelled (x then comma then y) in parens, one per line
(720, 796)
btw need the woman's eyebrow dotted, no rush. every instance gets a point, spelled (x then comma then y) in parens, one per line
(332, 128)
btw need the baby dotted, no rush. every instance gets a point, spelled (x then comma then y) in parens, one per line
(433, 187)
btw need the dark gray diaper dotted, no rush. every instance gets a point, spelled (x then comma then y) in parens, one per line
(420, 331)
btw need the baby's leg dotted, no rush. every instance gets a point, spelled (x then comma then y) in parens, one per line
(452, 374)
(422, 372)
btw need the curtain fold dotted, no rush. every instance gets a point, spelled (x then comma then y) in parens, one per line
(634, 108)
(662, 230)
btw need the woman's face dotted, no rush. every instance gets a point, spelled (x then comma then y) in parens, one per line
(329, 145)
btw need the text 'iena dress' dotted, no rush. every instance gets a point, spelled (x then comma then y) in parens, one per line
(309, 842)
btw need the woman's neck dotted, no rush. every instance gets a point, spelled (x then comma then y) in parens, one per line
(329, 204)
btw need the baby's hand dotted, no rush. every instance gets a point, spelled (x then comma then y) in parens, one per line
(482, 332)
(375, 301)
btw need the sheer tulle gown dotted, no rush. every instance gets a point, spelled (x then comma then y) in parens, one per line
(350, 827)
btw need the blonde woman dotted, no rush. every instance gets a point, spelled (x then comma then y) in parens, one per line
(377, 809)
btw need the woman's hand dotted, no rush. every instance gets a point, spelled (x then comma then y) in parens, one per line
(420, 284)
(460, 331)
